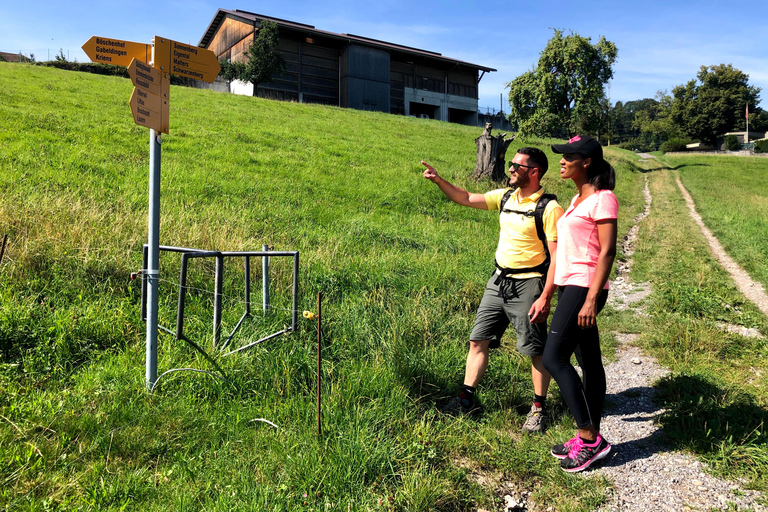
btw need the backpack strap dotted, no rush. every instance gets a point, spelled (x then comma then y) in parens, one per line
(541, 205)
(504, 200)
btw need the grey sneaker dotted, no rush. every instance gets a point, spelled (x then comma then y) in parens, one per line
(536, 420)
(459, 407)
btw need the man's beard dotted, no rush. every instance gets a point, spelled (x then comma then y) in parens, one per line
(522, 181)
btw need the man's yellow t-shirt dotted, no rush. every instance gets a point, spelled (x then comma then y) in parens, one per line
(519, 244)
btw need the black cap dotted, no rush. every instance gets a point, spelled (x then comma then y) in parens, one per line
(582, 145)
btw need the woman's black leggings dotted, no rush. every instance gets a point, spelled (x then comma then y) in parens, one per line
(584, 396)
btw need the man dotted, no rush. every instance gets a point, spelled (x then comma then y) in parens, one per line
(513, 294)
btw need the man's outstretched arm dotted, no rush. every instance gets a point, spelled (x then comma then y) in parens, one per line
(456, 194)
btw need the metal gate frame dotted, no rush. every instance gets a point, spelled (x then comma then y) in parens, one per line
(186, 255)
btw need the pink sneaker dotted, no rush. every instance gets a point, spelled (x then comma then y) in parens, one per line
(561, 451)
(582, 455)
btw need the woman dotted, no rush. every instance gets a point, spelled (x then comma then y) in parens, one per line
(586, 249)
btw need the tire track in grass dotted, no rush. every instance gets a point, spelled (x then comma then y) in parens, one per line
(753, 290)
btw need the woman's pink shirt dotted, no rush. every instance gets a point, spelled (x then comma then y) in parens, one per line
(578, 244)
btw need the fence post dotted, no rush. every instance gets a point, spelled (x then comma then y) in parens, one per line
(265, 278)
(217, 293)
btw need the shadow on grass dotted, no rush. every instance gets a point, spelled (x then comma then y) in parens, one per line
(663, 168)
(694, 415)
(702, 417)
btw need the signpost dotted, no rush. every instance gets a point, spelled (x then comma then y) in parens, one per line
(115, 51)
(149, 102)
(149, 106)
(148, 78)
(186, 60)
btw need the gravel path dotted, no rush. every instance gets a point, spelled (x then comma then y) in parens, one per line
(645, 475)
(752, 290)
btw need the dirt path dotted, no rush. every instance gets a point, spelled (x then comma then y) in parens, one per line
(645, 475)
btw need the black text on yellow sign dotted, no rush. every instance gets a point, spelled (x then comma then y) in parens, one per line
(149, 110)
(116, 51)
(150, 79)
(149, 102)
(185, 60)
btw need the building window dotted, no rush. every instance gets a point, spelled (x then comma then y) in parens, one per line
(468, 91)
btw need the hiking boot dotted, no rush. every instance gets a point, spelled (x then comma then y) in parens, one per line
(461, 406)
(582, 455)
(536, 420)
(561, 451)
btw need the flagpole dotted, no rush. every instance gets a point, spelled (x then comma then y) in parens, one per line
(746, 135)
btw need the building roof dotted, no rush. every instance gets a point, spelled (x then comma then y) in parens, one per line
(309, 31)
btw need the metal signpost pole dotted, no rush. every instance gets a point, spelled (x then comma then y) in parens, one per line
(153, 265)
(149, 107)
(153, 270)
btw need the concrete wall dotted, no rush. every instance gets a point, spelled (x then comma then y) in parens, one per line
(444, 106)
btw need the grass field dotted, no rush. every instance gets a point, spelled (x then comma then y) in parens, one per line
(731, 195)
(401, 269)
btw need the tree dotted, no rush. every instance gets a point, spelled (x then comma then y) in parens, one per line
(491, 151)
(623, 115)
(262, 59)
(655, 124)
(713, 103)
(563, 94)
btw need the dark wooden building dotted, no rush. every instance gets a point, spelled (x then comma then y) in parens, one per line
(352, 71)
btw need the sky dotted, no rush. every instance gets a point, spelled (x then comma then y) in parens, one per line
(661, 43)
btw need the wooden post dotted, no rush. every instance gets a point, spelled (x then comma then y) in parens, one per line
(2, 249)
(491, 151)
(319, 362)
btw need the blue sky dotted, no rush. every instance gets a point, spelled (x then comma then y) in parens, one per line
(661, 43)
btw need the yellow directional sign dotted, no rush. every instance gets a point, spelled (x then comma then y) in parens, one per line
(185, 60)
(149, 79)
(115, 51)
(149, 110)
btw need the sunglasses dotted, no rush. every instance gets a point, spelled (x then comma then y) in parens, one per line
(572, 157)
(518, 166)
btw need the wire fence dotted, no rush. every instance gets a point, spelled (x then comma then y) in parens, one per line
(44, 54)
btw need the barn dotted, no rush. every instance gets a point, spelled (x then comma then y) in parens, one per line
(351, 71)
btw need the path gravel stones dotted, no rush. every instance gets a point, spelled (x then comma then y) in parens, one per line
(646, 476)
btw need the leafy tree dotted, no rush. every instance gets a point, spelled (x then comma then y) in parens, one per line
(655, 123)
(262, 59)
(563, 94)
(713, 103)
(623, 116)
(758, 119)
(732, 143)
(60, 57)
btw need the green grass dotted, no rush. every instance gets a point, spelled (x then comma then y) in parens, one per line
(731, 195)
(401, 269)
(716, 394)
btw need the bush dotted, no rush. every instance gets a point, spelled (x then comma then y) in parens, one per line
(732, 143)
(637, 145)
(99, 68)
(674, 144)
(761, 146)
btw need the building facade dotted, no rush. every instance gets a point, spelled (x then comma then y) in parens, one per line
(351, 71)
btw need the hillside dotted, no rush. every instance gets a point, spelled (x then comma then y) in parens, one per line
(401, 269)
